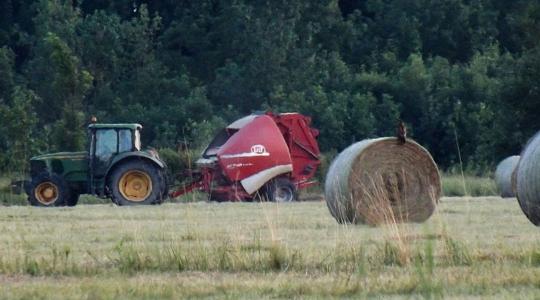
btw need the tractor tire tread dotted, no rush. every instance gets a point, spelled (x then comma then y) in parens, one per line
(159, 183)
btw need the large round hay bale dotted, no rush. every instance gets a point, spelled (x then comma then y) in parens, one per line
(380, 181)
(528, 180)
(503, 176)
(514, 180)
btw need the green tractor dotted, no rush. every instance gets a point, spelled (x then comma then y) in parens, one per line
(114, 167)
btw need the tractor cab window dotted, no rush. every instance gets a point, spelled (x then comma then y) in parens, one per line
(124, 140)
(106, 141)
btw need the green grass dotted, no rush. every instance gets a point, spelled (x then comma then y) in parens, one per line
(471, 247)
(456, 185)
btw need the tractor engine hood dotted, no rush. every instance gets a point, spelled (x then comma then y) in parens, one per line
(63, 163)
(62, 156)
(255, 154)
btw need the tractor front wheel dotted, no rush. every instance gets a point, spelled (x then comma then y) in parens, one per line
(48, 190)
(73, 199)
(137, 182)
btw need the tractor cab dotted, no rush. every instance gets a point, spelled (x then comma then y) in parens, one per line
(109, 140)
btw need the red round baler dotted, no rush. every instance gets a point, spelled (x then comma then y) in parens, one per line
(270, 156)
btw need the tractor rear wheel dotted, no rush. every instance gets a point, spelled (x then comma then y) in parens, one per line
(137, 182)
(48, 190)
(280, 190)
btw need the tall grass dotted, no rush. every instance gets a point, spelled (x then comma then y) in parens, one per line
(263, 250)
(140, 257)
(457, 186)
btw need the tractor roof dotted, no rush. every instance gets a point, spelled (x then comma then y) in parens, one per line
(132, 126)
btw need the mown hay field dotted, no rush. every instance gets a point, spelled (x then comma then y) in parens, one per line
(470, 247)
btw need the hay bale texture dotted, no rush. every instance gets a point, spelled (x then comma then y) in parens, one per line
(528, 180)
(503, 176)
(380, 181)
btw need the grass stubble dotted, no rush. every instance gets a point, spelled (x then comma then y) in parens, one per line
(480, 247)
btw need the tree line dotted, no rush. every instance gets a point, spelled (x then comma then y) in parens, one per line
(457, 72)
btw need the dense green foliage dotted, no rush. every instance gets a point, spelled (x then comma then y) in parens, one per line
(456, 71)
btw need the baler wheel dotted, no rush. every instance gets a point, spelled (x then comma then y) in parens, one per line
(281, 190)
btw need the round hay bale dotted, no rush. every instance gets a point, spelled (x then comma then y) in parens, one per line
(514, 180)
(503, 176)
(528, 180)
(380, 181)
